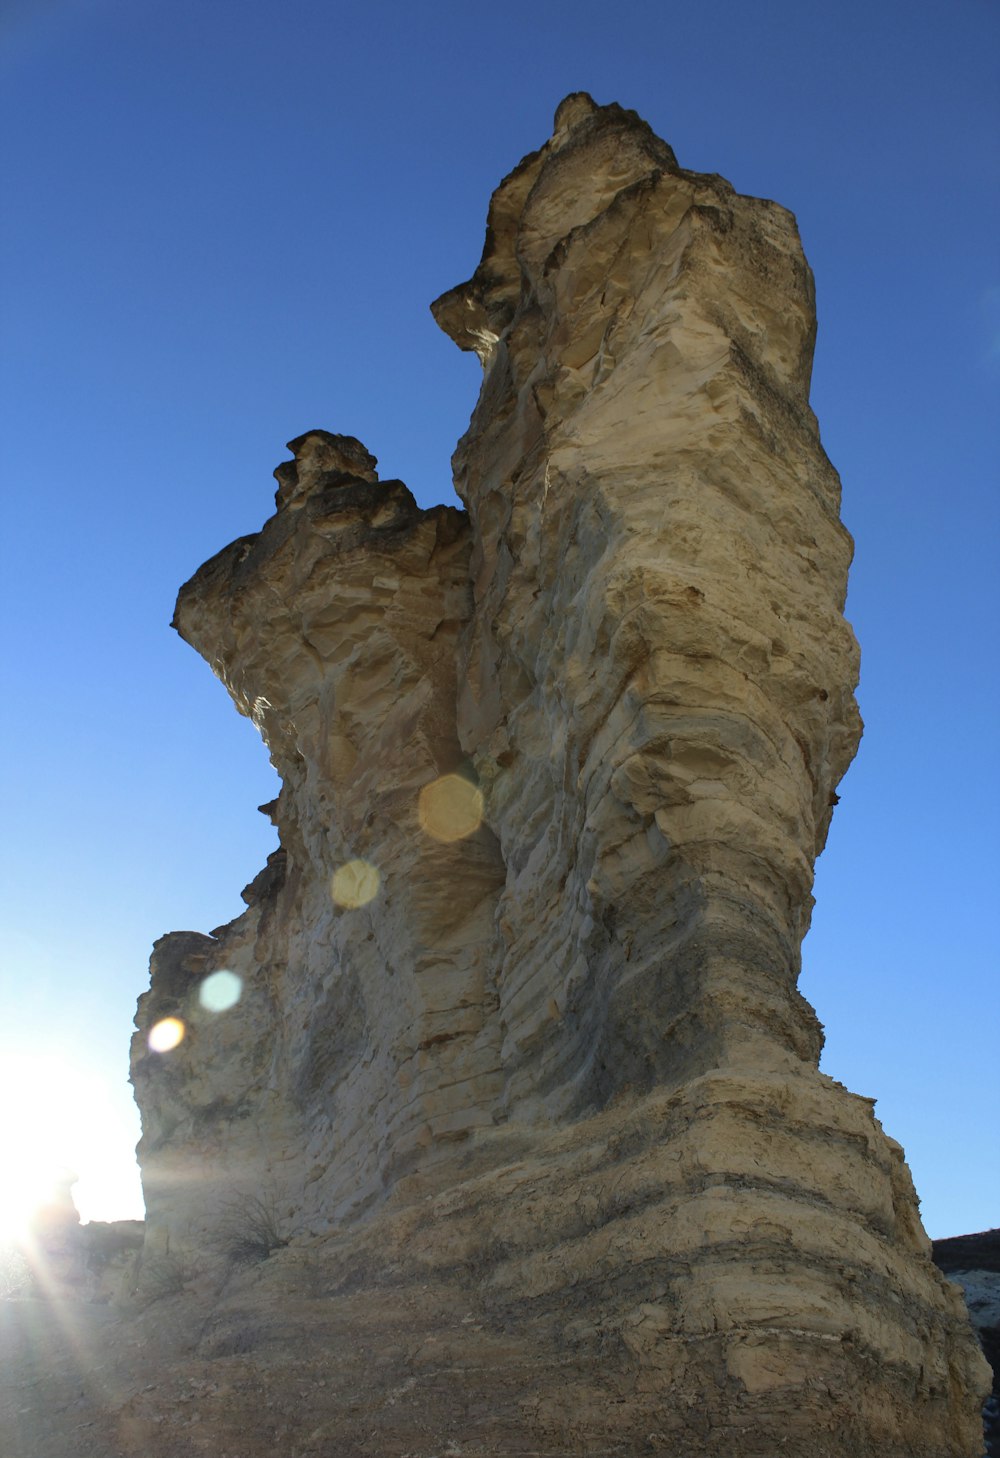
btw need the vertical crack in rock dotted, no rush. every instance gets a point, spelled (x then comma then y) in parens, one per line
(561, 1052)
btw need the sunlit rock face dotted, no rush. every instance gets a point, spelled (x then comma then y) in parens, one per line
(518, 1009)
(657, 680)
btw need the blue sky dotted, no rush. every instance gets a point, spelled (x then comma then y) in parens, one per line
(223, 226)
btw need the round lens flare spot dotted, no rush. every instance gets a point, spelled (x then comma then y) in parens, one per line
(166, 1034)
(450, 808)
(355, 884)
(220, 991)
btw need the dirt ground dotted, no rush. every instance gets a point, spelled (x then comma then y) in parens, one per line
(57, 1372)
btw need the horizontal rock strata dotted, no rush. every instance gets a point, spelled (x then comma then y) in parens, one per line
(518, 1016)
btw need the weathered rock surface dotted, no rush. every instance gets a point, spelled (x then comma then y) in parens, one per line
(519, 1021)
(973, 1262)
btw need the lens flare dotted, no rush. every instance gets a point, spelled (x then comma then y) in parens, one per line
(450, 808)
(166, 1034)
(220, 991)
(354, 884)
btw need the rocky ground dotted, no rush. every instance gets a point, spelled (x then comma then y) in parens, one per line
(304, 1355)
(274, 1367)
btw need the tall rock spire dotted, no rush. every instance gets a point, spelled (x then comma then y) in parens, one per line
(519, 1011)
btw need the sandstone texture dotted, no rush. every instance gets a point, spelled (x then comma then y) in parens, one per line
(519, 1082)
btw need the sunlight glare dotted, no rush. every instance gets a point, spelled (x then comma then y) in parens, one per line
(45, 1102)
(57, 1114)
(166, 1034)
(220, 991)
(354, 884)
(27, 1186)
(450, 808)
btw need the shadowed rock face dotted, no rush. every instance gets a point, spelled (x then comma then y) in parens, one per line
(366, 1033)
(973, 1262)
(519, 1001)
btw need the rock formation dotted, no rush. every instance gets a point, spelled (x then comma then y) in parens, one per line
(517, 1002)
(973, 1262)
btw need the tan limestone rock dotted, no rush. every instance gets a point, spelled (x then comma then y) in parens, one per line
(518, 1020)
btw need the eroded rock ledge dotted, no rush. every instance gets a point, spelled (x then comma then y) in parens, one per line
(556, 1056)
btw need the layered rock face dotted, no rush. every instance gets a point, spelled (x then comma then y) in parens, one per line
(519, 1007)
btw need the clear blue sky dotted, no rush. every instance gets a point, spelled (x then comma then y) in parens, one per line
(222, 226)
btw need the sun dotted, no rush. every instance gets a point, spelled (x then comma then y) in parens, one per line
(27, 1187)
(36, 1114)
(56, 1122)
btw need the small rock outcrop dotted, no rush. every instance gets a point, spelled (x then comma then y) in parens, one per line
(973, 1262)
(513, 1008)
